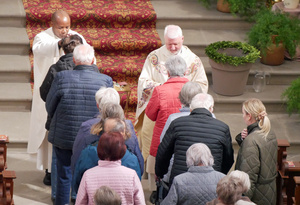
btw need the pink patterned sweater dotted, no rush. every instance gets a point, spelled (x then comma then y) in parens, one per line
(112, 174)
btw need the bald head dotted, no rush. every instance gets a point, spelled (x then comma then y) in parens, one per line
(61, 23)
(58, 15)
(114, 125)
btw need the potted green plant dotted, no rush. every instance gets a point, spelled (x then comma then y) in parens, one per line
(222, 5)
(272, 30)
(230, 62)
(206, 3)
(292, 96)
(248, 8)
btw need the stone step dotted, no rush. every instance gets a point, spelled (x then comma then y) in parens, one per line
(280, 78)
(12, 14)
(193, 15)
(271, 97)
(15, 68)
(16, 125)
(279, 75)
(15, 97)
(14, 41)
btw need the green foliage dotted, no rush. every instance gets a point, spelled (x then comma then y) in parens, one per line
(292, 95)
(206, 3)
(247, 8)
(251, 53)
(268, 24)
(244, 8)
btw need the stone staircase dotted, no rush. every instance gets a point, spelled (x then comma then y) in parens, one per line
(203, 26)
(15, 89)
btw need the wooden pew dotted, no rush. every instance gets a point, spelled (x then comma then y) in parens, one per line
(8, 187)
(283, 144)
(296, 199)
(3, 149)
(291, 172)
(6, 177)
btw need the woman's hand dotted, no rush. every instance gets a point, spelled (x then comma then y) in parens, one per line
(244, 134)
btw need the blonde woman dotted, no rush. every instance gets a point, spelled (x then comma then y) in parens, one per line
(258, 153)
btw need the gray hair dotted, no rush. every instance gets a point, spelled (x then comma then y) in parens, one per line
(229, 190)
(202, 100)
(112, 110)
(176, 66)
(188, 91)
(83, 54)
(108, 110)
(107, 196)
(106, 95)
(199, 153)
(243, 177)
(173, 31)
(119, 125)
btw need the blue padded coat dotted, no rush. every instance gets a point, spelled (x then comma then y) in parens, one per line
(71, 101)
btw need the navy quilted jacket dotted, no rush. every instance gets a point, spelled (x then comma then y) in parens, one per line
(71, 101)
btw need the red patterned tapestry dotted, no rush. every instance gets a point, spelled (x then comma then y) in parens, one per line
(122, 32)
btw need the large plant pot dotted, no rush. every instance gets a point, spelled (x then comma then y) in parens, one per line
(229, 80)
(223, 6)
(273, 55)
(291, 4)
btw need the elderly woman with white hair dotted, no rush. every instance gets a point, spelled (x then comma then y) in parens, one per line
(198, 184)
(85, 137)
(239, 178)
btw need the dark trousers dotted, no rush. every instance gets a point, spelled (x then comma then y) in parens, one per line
(64, 175)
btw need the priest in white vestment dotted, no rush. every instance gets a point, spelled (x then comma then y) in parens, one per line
(46, 51)
(153, 74)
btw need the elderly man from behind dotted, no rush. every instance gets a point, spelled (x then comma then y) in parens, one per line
(198, 185)
(198, 127)
(188, 91)
(47, 49)
(65, 62)
(70, 102)
(154, 73)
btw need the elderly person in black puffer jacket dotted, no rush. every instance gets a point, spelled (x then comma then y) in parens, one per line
(71, 101)
(198, 127)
